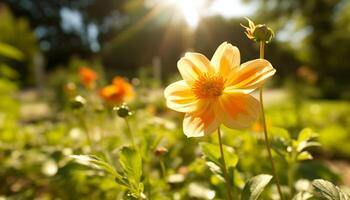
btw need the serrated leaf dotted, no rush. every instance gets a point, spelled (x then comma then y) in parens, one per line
(95, 162)
(328, 190)
(131, 163)
(304, 156)
(254, 186)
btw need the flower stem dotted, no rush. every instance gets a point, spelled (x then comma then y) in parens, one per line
(267, 142)
(162, 166)
(262, 50)
(228, 185)
(130, 132)
(83, 124)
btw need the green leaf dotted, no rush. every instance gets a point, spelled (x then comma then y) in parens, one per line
(306, 134)
(10, 52)
(212, 153)
(304, 156)
(303, 145)
(254, 186)
(94, 162)
(328, 191)
(7, 71)
(280, 132)
(131, 163)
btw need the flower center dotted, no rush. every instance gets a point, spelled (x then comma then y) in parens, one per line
(208, 86)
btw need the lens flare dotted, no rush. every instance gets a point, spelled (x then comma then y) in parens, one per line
(189, 9)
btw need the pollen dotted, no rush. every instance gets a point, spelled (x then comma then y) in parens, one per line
(208, 86)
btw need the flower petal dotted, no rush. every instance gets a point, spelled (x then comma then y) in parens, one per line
(192, 65)
(237, 110)
(201, 123)
(251, 75)
(226, 58)
(179, 97)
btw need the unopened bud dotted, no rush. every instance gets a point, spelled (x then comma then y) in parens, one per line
(78, 102)
(122, 111)
(258, 33)
(263, 33)
(160, 151)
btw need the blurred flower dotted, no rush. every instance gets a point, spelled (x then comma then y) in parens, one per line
(307, 74)
(217, 91)
(87, 77)
(119, 91)
(259, 32)
(70, 88)
(258, 126)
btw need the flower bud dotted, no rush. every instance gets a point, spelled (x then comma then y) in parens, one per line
(262, 33)
(160, 151)
(123, 111)
(258, 33)
(78, 102)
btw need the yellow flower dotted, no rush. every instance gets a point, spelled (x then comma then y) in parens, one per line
(217, 92)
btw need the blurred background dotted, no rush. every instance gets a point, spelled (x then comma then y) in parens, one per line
(44, 43)
(312, 35)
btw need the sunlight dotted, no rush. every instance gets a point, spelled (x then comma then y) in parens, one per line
(189, 9)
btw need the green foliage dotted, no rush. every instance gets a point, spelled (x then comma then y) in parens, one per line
(10, 52)
(18, 44)
(131, 163)
(293, 150)
(213, 157)
(94, 162)
(255, 186)
(327, 190)
(130, 174)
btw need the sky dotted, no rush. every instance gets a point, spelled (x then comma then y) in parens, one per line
(231, 8)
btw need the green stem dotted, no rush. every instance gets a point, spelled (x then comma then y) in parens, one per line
(86, 129)
(228, 185)
(267, 142)
(130, 132)
(162, 166)
(291, 179)
(262, 50)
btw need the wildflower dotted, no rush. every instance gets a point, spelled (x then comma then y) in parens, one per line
(217, 91)
(87, 77)
(119, 91)
(258, 33)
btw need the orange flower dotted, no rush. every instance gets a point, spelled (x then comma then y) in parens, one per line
(217, 91)
(118, 92)
(87, 76)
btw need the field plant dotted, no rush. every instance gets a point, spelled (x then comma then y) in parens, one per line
(212, 93)
(119, 140)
